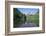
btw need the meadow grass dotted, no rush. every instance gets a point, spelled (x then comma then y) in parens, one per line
(33, 19)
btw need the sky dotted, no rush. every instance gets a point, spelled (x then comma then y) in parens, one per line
(28, 10)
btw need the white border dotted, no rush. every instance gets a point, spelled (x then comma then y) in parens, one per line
(25, 29)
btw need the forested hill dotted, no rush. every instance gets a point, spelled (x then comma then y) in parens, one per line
(18, 17)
